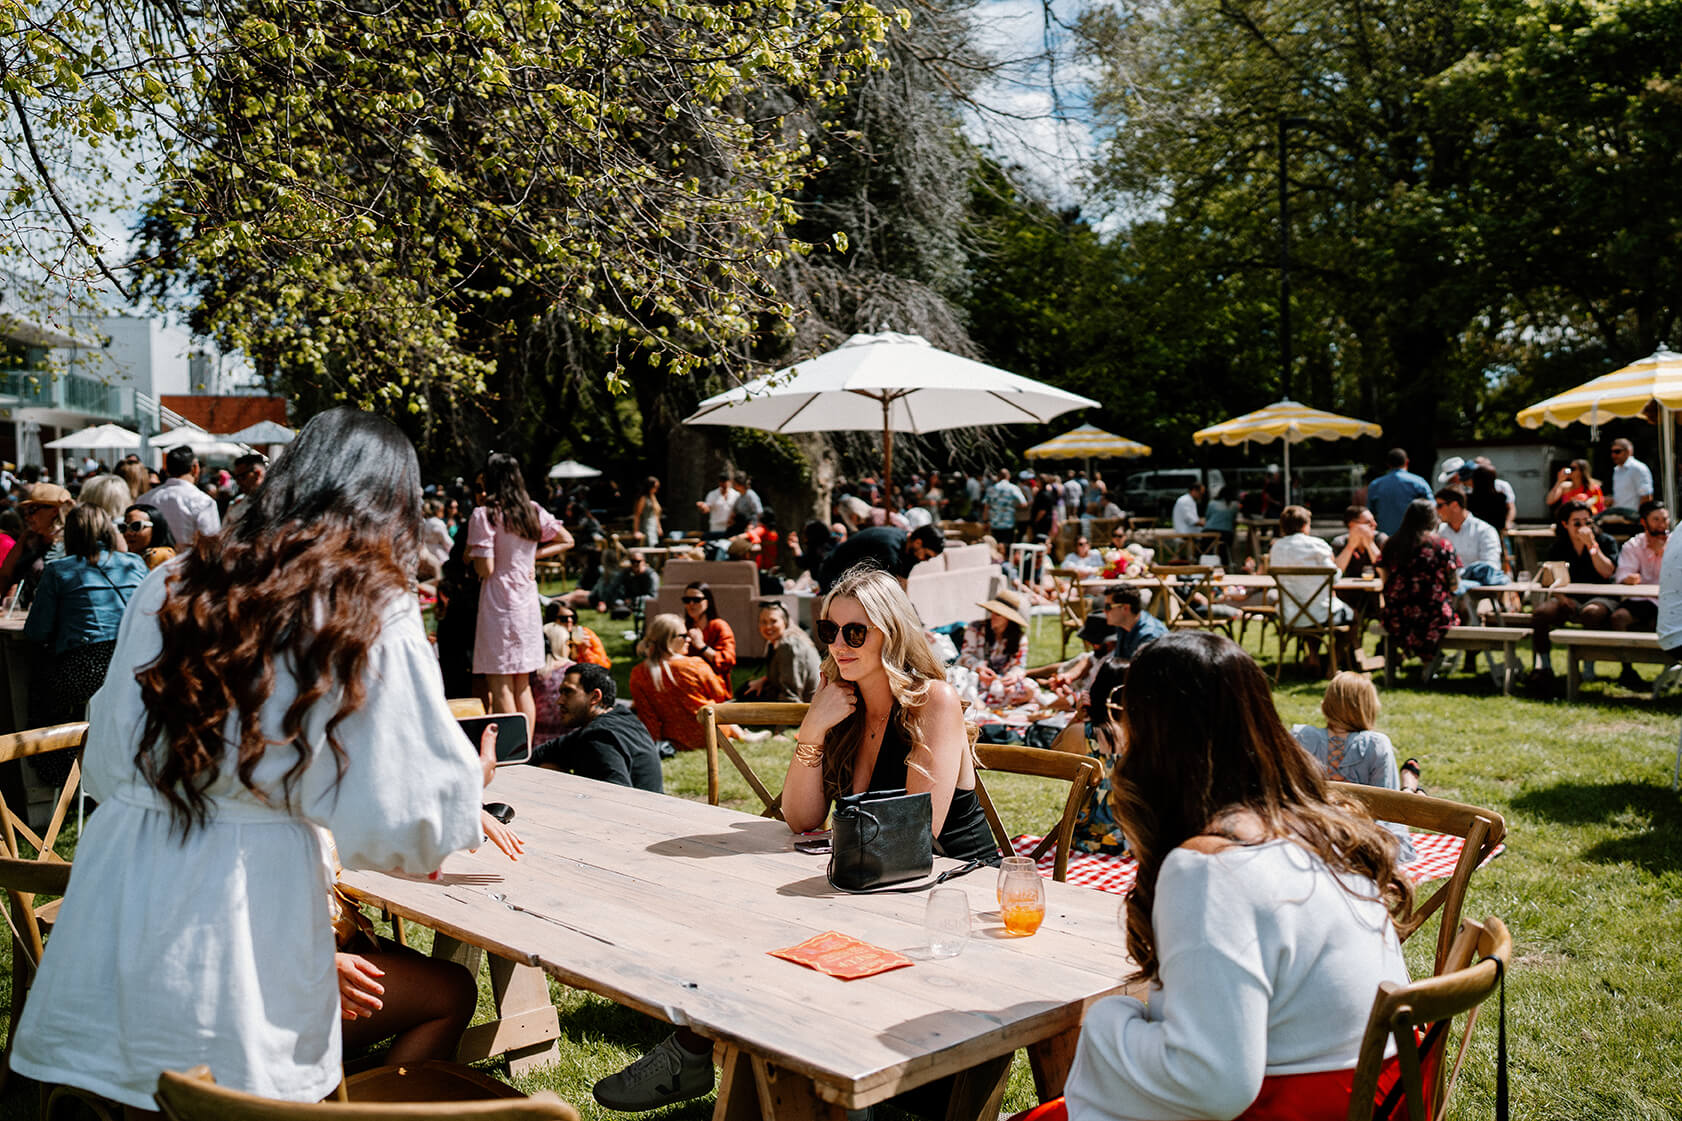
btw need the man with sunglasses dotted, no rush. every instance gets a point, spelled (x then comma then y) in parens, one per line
(1135, 628)
(888, 548)
(1641, 561)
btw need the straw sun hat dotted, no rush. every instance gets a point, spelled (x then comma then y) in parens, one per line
(1008, 604)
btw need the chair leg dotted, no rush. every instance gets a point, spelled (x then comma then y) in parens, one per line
(1675, 774)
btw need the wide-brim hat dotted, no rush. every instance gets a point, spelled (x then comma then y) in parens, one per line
(1008, 604)
(47, 494)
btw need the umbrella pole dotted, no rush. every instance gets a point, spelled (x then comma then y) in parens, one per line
(1287, 470)
(887, 453)
(1667, 456)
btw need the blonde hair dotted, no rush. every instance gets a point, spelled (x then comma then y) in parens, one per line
(909, 663)
(138, 479)
(109, 493)
(661, 641)
(1351, 702)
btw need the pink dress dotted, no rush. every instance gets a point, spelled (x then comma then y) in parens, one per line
(509, 637)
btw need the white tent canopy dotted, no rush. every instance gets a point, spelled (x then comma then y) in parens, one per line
(263, 432)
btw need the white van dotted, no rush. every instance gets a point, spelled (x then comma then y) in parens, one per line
(1153, 493)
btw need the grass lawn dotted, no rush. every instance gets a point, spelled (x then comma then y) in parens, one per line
(1590, 884)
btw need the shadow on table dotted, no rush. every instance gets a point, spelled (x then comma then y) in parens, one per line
(760, 836)
(1657, 848)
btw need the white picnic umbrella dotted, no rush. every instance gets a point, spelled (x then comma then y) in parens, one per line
(263, 432)
(888, 382)
(99, 438)
(572, 469)
(199, 440)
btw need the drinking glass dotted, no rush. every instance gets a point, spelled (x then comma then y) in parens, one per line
(946, 922)
(1367, 572)
(1021, 900)
(1014, 864)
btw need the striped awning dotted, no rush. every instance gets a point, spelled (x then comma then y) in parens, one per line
(1621, 393)
(1286, 420)
(1088, 442)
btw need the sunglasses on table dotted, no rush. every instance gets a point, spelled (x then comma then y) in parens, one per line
(853, 634)
(135, 527)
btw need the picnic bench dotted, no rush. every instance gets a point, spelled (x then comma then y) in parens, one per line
(1605, 646)
(1490, 640)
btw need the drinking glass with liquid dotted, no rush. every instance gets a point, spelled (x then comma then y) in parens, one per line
(1021, 895)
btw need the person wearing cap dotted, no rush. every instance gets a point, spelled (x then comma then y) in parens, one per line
(1003, 502)
(42, 509)
(1389, 494)
(996, 648)
(187, 509)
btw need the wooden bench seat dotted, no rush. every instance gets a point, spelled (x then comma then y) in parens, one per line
(1475, 638)
(1605, 646)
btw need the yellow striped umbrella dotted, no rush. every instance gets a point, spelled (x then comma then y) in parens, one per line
(1088, 442)
(1655, 379)
(1289, 421)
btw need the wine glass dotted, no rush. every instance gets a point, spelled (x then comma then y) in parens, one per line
(946, 922)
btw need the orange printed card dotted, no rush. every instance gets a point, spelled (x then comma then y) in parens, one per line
(841, 955)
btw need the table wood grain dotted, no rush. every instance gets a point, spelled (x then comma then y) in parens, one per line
(671, 907)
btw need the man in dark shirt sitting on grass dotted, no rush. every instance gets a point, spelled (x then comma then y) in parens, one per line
(602, 742)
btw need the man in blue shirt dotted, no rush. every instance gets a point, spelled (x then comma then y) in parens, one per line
(1124, 610)
(1389, 494)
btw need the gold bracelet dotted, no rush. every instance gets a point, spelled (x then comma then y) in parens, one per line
(808, 754)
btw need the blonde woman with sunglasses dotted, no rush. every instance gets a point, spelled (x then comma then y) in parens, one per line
(884, 719)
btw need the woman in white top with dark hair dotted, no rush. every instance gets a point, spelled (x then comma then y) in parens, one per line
(1262, 913)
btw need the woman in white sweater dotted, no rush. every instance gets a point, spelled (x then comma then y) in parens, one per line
(1262, 912)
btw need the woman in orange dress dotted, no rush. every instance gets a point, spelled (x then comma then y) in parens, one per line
(1576, 484)
(707, 636)
(668, 687)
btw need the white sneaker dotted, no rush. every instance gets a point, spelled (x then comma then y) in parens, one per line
(667, 1073)
(1667, 680)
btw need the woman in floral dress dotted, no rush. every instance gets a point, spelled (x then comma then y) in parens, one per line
(1419, 581)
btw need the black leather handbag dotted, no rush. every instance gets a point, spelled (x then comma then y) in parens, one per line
(881, 838)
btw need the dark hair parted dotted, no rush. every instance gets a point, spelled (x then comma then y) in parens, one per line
(706, 590)
(505, 496)
(302, 578)
(1203, 739)
(1419, 521)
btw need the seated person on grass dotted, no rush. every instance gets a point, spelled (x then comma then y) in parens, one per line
(1349, 748)
(599, 740)
(791, 661)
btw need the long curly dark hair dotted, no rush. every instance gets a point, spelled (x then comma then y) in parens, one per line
(301, 578)
(1203, 739)
(505, 494)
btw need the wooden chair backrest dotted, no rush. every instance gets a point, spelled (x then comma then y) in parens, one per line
(1080, 771)
(1399, 1009)
(1180, 592)
(22, 745)
(745, 712)
(1481, 829)
(1297, 611)
(465, 708)
(194, 1096)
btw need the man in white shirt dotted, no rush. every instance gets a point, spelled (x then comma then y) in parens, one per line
(1295, 547)
(1641, 561)
(717, 505)
(1476, 543)
(1632, 481)
(1186, 517)
(186, 509)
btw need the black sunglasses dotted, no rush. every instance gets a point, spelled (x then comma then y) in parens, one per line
(853, 634)
(694, 599)
(134, 527)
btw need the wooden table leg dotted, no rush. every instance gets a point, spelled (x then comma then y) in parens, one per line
(738, 1095)
(978, 1092)
(1050, 1060)
(784, 1096)
(526, 1026)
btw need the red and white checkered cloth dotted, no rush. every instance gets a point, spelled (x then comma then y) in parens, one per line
(1437, 855)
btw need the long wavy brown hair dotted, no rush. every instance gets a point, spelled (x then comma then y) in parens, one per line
(301, 578)
(1203, 739)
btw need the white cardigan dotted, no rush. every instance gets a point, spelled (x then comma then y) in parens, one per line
(216, 948)
(1268, 966)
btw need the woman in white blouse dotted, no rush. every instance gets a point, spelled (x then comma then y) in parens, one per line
(1262, 913)
(273, 682)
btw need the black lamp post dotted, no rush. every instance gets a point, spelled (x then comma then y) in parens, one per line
(1285, 123)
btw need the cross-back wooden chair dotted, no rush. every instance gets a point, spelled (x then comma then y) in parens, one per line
(1482, 830)
(29, 867)
(1183, 585)
(1079, 771)
(194, 1096)
(777, 714)
(1430, 1005)
(1301, 591)
(1073, 605)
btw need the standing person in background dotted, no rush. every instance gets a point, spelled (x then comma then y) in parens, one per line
(435, 535)
(1003, 501)
(188, 510)
(75, 614)
(1632, 481)
(139, 480)
(717, 506)
(506, 537)
(646, 514)
(1389, 494)
(747, 507)
(249, 472)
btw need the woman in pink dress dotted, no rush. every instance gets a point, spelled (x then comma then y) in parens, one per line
(506, 537)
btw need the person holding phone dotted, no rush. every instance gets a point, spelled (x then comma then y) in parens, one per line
(1574, 483)
(273, 684)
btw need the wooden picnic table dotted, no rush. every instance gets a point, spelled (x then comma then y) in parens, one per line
(1530, 541)
(1529, 588)
(671, 907)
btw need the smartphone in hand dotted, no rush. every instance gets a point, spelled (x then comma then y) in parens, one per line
(513, 745)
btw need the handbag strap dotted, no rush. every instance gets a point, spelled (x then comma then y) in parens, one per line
(949, 874)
